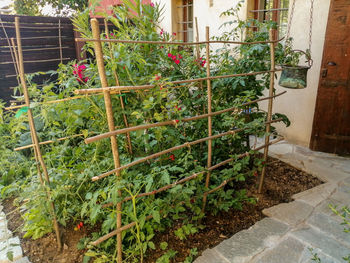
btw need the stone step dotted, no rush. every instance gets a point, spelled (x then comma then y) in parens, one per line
(315, 254)
(314, 238)
(4, 232)
(13, 246)
(22, 260)
(290, 213)
(316, 195)
(288, 251)
(244, 245)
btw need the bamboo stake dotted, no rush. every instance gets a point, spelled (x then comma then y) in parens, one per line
(60, 39)
(113, 233)
(173, 122)
(110, 119)
(48, 142)
(198, 57)
(33, 131)
(143, 87)
(175, 43)
(269, 111)
(210, 150)
(15, 54)
(118, 84)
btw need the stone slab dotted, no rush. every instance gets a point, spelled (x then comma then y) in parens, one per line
(342, 197)
(12, 244)
(211, 256)
(244, 245)
(290, 250)
(22, 260)
(308, 256)
(316, 195)
(290, 213)
(326, 244)
(330, 227)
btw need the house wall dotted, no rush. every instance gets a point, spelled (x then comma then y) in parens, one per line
(298, 105)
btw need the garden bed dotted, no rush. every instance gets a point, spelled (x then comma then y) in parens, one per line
(282, 181)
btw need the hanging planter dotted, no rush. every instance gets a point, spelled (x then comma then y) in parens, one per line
(295, 77)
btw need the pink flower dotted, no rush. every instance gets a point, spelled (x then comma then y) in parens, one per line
(152, 4)
(161, 31)
(112, 35)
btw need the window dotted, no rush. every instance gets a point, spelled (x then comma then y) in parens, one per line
(183, 19)
(272, 10)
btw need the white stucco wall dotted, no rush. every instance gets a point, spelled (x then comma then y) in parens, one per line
(298, 105)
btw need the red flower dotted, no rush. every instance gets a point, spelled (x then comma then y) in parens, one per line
(180, 57)
(177, 61)
(174, 34)
(172, 157)
(78, 72)
(123, 67)
(161, 31)
(255, 173)
(161, 46)
(177, 121)
(158, 77)
(170, 55)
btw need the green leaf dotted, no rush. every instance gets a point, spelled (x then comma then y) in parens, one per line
(151, 245)
(163, 245)
(156, 216)
(9, 255)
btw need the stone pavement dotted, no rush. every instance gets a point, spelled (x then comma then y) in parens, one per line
(291, 230)
(10, 246)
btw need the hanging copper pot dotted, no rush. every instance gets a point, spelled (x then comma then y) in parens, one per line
(295, 77)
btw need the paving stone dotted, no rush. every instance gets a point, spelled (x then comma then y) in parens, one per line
(12, 244)
(4, 232)
(345, 182)
(291, 213)
(342, 197)
(307, 256)
(290, 250)
(2, 216)
(328, 245)
(330, 227)
(244, 245)
(316, 195)
(211, 256)
(324, 171)
(22, 260)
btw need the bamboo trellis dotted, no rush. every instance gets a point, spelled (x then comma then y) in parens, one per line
(107, 91)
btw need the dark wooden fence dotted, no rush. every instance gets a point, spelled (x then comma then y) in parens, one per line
(46, 41)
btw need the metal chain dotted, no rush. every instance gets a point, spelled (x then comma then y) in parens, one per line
(290, 20)
(311, 22)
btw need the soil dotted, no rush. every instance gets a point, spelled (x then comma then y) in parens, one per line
(281, 182)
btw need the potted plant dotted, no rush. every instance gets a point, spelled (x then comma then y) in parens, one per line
(294, 75)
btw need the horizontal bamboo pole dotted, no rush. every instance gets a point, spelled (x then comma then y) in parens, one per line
(187, 144)
(142, 87)
(174, 43)
(115, 232)
(48, 142)
(173, 122)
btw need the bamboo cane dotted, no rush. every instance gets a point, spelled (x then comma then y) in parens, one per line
(175, 43)
(60, 40)
(48, 142)
(126, 227)
(33, 131)
(118, 84)
(210, 150)
(269, 112)
(173, 122)
(110, 119)
(144, 87)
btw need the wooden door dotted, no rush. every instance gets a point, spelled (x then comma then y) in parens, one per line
(331, 126)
